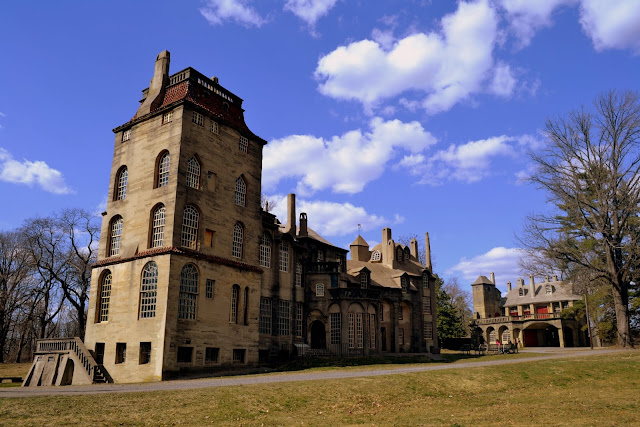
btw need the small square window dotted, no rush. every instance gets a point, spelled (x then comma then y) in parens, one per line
(210, 284)
(211, 355)
(197, 118)
(215, 128)
(121, 352)
(239, 355)
(167, 117)
(145, 353)
(185, 354)
(126, 135)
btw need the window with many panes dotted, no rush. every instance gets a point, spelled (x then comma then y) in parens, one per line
(284, 256)
(121, 183)
(426, 304)
(126, 135)
(238, 238)
(211, 355)
(336, 328)
(375, 256)
(298, 273)
(235, 302)
(148, 290)
(425, 280)
(351, 325)
(364, 280)
(359, 330)
(299, 319)
(265, 316)
(197, 118)
(241, 192)
(117, 224)
(372, 330)
(104, 296)
(163, 169)
(399, 254)
(214, 128)
(157, 226)
(208, 288)
(239, 355)
(265, 250)
(428, 330)
(190, 219)
(167, 117)
(404, 283)
(193, 173)
(319, 289)
(188, 296)
(244, 144)
(284, 317)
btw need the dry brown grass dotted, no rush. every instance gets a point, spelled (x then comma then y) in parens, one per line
(598, 390)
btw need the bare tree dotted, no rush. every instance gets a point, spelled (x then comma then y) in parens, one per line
(268, 204)
(591, 172)
(460, 300)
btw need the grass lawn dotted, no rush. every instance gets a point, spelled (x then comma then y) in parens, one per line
(13, 370)
(596, 390)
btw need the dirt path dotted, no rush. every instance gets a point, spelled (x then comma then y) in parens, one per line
(280, 377)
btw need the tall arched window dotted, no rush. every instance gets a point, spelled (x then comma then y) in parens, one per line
(298, 273)
(115, 231)
(193, 173)
(121, 184)
(189, 227)
(265, 250)
(399, 254)
(104, 297)
(233, 309)
(188, 292)
(407, 254)
(148, 290)
(241, 192)
(238, 238)
(284, 256)
(163, 169)
(157, 226)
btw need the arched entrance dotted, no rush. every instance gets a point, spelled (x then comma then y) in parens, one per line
(318, 335)
(541, 335)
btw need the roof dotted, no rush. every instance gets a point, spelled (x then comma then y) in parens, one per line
(311, 234)
(561, 291)
(382, 275)
(359, 242)
(483, 280)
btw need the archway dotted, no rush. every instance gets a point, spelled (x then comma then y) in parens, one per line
(541, 334)
(491, 335)
(318, 335)
(67, 376)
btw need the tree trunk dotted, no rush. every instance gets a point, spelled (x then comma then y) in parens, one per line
(621, 307)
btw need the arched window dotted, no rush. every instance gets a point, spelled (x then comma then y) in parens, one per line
(364, 280)
(104, 296)
(298, 273)
(157, 226)
(238, 238)
(399, 254)
(148, 290)
(163, 170)
(375, 256)
(241, 192)
(265, 250)
(121, 184)
(188, 292)
(233, 309)
(407, 254)
(284, 256)
(193, 173)
(189, 227)
(115, 231)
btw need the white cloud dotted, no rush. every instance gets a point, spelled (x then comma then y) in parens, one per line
(447, 66)
(219, 11)
(345, 163)
(528, 16)
(330, 218)
(502, 261)
(503, 81)
(612, 24)
(30, 173)
(310, 10)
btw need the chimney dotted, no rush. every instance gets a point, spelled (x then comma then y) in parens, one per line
(414, 248)
(508, 286)
(303, 225)
(493, 277)
(547, 279)
(158, 84)
(427, 253)
(532, 285)
(386, 235)
(291, 215)
(555, 277)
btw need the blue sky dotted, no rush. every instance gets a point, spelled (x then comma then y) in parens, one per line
(412, 114)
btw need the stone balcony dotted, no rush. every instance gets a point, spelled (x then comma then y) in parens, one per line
(523, 318)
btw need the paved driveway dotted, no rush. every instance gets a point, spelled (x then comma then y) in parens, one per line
(280, 378)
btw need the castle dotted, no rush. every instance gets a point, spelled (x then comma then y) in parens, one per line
(193, 274)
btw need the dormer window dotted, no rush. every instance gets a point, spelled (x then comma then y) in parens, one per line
(375, 256)
(364, 280)
(407, 254)
(399, 254)
(404, 283)
(320, 256)
(520, 292)
(548, 289)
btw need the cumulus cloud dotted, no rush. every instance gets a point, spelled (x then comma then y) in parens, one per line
(526, 17)
(501, 261)
(614, 24)
(310, 10)
(446, 66)
(345, 163)
(331, 218)
(503, 81)
(219, 11)
(30, 173)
